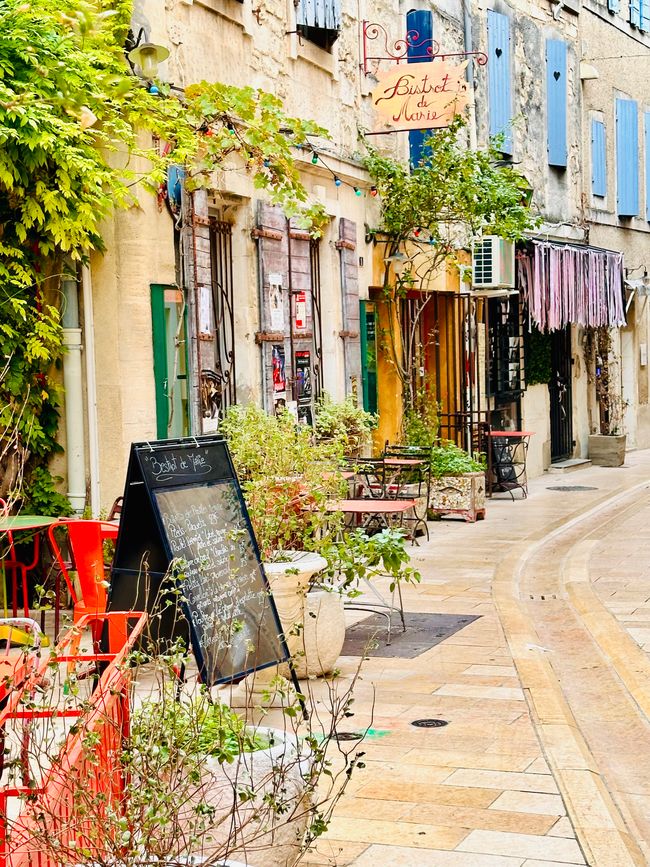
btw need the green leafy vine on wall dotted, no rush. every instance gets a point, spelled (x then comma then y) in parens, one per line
(71, 118)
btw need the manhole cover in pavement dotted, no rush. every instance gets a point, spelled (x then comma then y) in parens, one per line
(348, 736)
(429, 723)
(571, 488)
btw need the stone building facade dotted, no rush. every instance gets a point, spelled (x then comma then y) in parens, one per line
(221, 299)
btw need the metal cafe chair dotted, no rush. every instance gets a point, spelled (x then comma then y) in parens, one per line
(12, 565)
(407, 475)
(85, 540)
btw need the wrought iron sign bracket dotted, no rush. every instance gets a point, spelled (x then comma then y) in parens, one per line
(410, 48)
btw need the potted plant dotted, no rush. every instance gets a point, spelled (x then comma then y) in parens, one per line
(179, 779)
(607, 446)
(287, 479)
(346, 422)
(457, 483)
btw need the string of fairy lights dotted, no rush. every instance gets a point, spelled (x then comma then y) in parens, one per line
(317, 159)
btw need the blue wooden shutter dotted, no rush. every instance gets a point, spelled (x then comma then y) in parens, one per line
(321, 14)
(635, 13)
(499, 87)
(598, 159)
(613, 5)
(420, 22)
(646, 125)
(644, 15)
(627, 158)
(556, 90)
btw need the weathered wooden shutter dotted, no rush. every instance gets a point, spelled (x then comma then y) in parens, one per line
(598, 159)
(646, 136)
(613, 5)
(635, 13)
(556, 90)
(627, 158)
(499, 85)
(321, 14)
(418, 22)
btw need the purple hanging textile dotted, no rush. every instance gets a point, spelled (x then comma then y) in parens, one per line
(565, 285)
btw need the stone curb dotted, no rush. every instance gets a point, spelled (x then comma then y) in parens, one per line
(600, 828)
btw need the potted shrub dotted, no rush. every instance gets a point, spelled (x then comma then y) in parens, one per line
(457, 483)
(607, 447)
(178, 780)
(287, 478)
(346, 422)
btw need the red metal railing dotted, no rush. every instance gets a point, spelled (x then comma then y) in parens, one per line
(85, 780)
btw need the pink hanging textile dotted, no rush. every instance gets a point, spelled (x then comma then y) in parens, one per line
(565, 285)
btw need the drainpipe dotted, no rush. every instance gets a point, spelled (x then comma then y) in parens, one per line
(469, 73)
(74, 410)
(91, 389)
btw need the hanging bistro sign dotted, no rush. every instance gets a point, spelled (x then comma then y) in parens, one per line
(422, 95)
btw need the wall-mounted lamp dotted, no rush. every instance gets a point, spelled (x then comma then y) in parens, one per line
(399, 262)
(147, 55)
(588, 72)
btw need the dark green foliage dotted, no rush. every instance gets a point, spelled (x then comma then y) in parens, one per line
(537, 354)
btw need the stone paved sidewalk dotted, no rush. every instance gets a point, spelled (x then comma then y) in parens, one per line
(478, 791)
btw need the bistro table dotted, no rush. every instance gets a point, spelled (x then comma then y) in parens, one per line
(374, 510)
(9, 525)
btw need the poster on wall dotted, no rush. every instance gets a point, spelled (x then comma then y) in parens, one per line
(279, 377)
(301, 310)
(276, 302)
(304, 391)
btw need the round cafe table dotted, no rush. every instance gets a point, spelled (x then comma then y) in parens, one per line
(11, 524)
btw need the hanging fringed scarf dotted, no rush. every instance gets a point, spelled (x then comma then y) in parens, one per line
(565, 285)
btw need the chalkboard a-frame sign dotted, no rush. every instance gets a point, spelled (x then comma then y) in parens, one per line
(184, 514)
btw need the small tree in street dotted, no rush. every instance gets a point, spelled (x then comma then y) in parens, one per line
(428, 214)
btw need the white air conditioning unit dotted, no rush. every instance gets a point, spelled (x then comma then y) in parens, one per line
(493, 263)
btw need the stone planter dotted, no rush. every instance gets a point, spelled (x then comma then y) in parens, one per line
(289, 580)
(459, 495)
(251, 829)
(323, 633)
(607, 451)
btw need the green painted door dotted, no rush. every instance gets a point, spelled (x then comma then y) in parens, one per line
(169, 321)
(368, 355)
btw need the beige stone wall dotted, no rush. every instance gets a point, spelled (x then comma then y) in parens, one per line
(620, 54)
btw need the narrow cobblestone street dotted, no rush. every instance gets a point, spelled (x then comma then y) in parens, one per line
(546, 694)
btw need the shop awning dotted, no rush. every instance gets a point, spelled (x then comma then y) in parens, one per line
(566, 284)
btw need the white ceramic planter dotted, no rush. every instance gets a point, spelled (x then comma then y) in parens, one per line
(323, 633)
(289, 580)
(277, 772)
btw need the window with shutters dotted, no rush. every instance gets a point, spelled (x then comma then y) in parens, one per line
(499, 78)
(640, 14)
(598, 159)
(319, 21)
(420, 22)
(556, 102)
(627, 158)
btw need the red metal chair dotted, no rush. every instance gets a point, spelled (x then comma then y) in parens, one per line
(12, 565)
(86, 544)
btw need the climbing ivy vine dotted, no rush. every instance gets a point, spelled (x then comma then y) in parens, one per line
(72, 120)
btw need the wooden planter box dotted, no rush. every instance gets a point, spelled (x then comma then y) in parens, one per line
(459, 495)
(607, 451)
